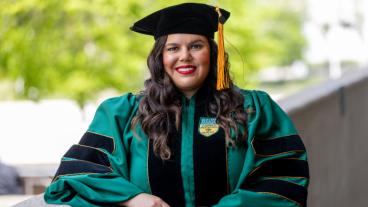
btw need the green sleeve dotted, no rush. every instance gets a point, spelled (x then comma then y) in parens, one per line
(275, 171)
(95, 172)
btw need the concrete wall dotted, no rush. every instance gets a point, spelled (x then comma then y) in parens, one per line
(332, 120)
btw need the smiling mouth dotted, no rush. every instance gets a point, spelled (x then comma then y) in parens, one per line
(185, 70)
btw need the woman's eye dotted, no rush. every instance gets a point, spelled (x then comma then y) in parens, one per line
(196, 46)
(173, 49)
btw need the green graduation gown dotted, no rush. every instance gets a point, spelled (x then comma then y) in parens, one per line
(110, 165)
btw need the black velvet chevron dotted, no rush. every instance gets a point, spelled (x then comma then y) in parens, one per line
(165, 177)
(279, 168)
(88, 154)
(294, 192)
(278, 145)
(283, 167)
(209, 157)
(98, 141)
(79, 167)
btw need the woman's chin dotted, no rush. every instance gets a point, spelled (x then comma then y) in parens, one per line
(188, 87)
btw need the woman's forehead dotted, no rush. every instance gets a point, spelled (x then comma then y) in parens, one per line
(181, 38)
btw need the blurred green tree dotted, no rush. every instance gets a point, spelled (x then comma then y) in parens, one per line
(77, 48)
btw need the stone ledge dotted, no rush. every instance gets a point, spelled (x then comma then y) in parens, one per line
(37, 201)
(317, 94)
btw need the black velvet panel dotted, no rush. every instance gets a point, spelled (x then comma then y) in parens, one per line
(277, 145)
(291, 191)
(209, 157)
(279, 168)
(88, 154)
(165, 177)
(79, 167)
(98, 141)
(283, 167)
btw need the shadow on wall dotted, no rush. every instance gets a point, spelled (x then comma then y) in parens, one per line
(10, 180)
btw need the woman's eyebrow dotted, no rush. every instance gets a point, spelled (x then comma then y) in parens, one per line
(192, 42)
(195, 41)
(171, 44)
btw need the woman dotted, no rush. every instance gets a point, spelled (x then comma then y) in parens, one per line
(192, 138)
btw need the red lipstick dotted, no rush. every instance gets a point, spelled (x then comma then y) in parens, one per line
(186, 69)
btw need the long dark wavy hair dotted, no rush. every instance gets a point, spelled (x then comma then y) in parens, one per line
(161, 100)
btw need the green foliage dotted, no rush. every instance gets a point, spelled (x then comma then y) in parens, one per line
(78, 48)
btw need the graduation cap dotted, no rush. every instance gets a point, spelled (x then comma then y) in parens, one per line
(190, 18)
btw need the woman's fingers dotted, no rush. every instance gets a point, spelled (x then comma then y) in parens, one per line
(153, 201)
(144, 200)
(164, 204)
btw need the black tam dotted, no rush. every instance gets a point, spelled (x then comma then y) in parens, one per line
(188, 18)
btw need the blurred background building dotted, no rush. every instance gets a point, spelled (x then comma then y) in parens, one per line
(60, 59)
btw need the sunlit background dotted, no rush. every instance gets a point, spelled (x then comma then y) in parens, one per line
(60, 59)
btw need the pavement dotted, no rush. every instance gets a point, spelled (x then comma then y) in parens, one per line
(25, 201)
(10, 200)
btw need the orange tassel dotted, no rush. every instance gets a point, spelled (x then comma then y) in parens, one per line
(222, 71)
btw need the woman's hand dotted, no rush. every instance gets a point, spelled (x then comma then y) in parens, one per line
(144, 200)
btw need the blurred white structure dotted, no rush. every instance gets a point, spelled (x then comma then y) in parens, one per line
(297, 71)
(337, 30)
(40, 133)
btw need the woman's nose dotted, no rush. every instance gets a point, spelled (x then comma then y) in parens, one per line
(185, 55)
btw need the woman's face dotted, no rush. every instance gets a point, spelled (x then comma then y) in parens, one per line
(186, 59)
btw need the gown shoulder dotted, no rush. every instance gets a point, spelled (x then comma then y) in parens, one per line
(113, 112)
